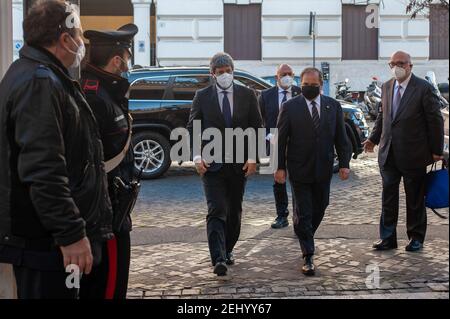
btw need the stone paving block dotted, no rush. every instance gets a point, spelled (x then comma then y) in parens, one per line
(182, 269)
(187, 292)
(280, 289)
(227, 290)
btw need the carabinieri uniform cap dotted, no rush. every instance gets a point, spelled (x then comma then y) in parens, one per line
(122, 38)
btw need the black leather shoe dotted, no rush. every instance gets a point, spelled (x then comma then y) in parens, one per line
(280, 222)
(414, 245)
(385, 244)
(308, 268)
(230, 259)
(221, 269)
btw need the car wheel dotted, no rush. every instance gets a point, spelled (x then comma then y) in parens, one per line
(152, 155)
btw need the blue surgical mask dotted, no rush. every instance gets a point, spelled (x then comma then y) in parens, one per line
(126, 74)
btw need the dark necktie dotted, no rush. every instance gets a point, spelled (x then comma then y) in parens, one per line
(315, 115)
(284, 98)
(396, 102)
(226, 109)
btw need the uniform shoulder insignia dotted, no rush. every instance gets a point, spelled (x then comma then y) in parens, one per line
(91, 86)
(42, 72)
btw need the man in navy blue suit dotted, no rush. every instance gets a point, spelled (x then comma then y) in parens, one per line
(310, 128)
(224, 106)
(270, 103)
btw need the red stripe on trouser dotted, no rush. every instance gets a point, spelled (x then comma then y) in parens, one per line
(112, 272)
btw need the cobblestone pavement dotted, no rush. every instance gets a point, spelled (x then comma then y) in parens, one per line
(170, 256)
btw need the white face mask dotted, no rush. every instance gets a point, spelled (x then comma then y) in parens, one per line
(225, 80)
(398, 72)
(79, 55)
(286, 82)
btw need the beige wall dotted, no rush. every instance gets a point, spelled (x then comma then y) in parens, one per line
(7, 282)
(6, 40)
(104, 23)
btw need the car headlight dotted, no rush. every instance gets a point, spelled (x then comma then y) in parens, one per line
(359, 115)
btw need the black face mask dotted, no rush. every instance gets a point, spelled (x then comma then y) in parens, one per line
(310, 92)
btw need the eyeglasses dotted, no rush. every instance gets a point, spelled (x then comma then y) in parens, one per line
(399, 64)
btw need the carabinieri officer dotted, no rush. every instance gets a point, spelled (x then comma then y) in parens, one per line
(106, 87)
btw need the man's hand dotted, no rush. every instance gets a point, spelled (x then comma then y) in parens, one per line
(280, 176)
(369, 146)
(249, 169)
(79, 254)
(202, 167)
(437, 158)
(344, 174)
(271, 138)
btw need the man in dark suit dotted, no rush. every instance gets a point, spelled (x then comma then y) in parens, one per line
(310, 128)
(270, 103)
(410, 134)
(224, 106)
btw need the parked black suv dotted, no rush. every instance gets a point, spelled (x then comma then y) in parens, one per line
(161, 99)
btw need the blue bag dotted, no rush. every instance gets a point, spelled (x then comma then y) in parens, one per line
(437, 191)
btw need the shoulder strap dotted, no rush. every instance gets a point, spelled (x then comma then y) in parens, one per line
(115, 162)
(438, 214)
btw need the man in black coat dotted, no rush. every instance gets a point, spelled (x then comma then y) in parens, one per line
(410, 135)
(54, 204)
(270, 103)
(222, 107)
(310, 128)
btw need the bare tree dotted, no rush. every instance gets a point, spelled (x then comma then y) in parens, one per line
(416, 7)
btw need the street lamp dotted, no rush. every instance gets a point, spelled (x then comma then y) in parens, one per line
(312, 33)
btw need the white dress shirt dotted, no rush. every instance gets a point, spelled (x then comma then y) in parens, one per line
(404, 85)
(281, 95)
(310, 106)
(229, 95)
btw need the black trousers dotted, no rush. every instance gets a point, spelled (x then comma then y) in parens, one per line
(224, 191)
(109, 279)
(42, 284)
(414, 183)
(40, 274)
(281, 199)
(311, 202)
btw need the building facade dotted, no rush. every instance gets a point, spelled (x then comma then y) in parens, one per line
(355, 37)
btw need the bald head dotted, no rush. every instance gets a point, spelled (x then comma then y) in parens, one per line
(284, 68)
(401, 65)
(284, 71)
(401, 55)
